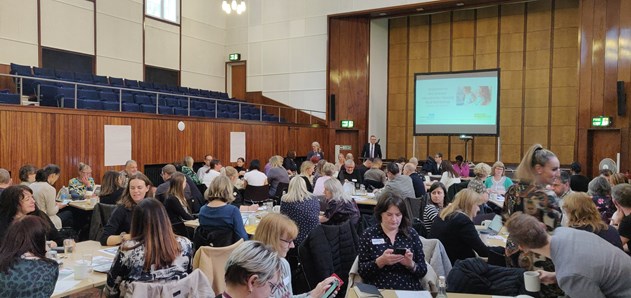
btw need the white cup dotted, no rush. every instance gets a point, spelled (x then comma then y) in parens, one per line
(531, 281)
(276, 209)
(93, 201)
(81, 269)
(486, 223)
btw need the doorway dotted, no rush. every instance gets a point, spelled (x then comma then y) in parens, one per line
(236, 73)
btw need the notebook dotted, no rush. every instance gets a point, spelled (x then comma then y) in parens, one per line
(495, 226)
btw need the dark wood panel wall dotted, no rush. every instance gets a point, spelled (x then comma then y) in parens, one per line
(349, 48)
(39, 136)
(536, 46)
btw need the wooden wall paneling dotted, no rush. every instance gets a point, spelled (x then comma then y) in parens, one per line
(397, 91)
(598, 56)
(586, 28)
(418, 48)
(610, 59)
(624, 74)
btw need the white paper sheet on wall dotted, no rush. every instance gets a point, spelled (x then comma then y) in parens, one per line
(237, 145)
(117, 144)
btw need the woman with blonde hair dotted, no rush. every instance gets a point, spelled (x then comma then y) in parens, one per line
(276, 174)
(233, 175)
(455, 229)
(316, 150)
(583, 215)
(279, 232)
(187, 169)
(306, 172)
(328, 170)
(176, 204)
(340, 206)
(219, 213)
(300, 205)
(498, 183)
(538, 168)
(618, 178)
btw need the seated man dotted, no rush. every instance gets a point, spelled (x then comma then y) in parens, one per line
(131, 168)
(191, 192)
(350, 173)
(604, 275)
(400, 184)
(419, 187)
(621, 194)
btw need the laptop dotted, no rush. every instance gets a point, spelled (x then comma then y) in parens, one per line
(495, 226)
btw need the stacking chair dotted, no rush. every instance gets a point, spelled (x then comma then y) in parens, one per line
(280, 188)
(256, 194)
(100, 215)
(193, 285)
(212, 262)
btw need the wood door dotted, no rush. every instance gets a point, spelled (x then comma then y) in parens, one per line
(348, 137)
(238, 75)
(601, 144)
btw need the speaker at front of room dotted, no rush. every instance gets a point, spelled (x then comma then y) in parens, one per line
(622, 99)
(332, 107)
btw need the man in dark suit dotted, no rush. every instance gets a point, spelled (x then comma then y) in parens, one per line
(371, 149)
(417, 181)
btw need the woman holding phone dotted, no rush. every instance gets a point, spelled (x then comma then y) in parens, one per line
(391, 253)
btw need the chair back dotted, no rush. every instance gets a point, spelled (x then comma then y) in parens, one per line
(256, 194)
(454, 189)
(280, 188)
(212, 262)
(372, 184)
(214, 236)
(414, 207)
(192, 286)
(100, 215)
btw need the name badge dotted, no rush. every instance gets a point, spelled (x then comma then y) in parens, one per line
(378, 241)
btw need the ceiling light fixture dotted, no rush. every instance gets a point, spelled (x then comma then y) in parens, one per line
(233, 6)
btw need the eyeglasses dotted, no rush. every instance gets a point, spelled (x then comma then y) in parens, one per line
(274, 286)
(289, 242)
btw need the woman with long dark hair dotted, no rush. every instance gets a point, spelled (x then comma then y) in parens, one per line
(449, 176)
(119, 224)
(45, 195)
(153, 252)
(437, 193)
(111, 188)
(176, 204)
(24, 269)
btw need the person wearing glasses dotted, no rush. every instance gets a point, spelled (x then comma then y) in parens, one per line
(79, 185)
(252, 270)
(279, 232)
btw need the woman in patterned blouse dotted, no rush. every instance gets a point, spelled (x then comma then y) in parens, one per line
(79, 185)
(538, 168)
(302, 207)
(435, 204)
(153, 253)
(379, 265)
(187, 169)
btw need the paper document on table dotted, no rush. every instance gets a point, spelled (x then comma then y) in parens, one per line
(496, 237)
(110, 251)
(101, 264)
(413, 294)
(358, 198)
(65, 285)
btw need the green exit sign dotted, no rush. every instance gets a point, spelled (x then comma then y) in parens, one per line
(601, 121)
(234, 57)
(347, 123)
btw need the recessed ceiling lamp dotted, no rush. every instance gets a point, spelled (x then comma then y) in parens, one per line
(233, 6)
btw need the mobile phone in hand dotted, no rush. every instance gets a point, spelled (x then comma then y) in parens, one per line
(334, 285)
(399, 251)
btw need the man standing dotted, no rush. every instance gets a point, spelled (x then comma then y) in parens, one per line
(131, 168)
(371, 149)
(417, 181)
(585, 264)
(201, 171)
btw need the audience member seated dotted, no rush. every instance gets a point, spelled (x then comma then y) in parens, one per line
(583, 215)
(25, 271)
(306, 173)
(118, 226)
(328, 169)
(79, 185)
(379, 262)
(252, 270)
(203, 169)
(417, 181)
(5, 179)
(400, 184)
(192, 194)
(455, 229)
(365, 166)
(339, 165)
(319, 165)
(578, 182)
(539, 167)
(461, 167)
(131, 168)
(349, 173)
(233, 175)
(481, 172)
(279, 233)
(435, 204)
(498, 183)
(448, 176)
(219, 213)
(600, 190)
(240, 167)
(45, 196)
(621, 194)
(585, 264)
(436, 167)
(289, 163)
(111, 188)
(176, 204)
(27, 174)
(213, 172)
(16, 202)
(301, 207)
(277, 174)
(153, 252)
(618, 178)
(340, 206)
(375, 177)
(254, 176)
(315, 151)
(187, 169)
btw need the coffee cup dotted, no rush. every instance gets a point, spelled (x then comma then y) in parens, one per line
(81, 269)
(531, 281)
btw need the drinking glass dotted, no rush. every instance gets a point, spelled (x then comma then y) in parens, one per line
(69, 246)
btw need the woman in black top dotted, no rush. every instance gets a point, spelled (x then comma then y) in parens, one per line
(119, 223)
(16, 202)
(455, 229)
(289, 162)
(111, 188)
(176, 204)
(240, 167)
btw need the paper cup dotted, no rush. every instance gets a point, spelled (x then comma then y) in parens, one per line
(81, 269)
(531, 281)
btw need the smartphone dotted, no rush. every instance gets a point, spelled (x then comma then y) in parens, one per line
(399, 251)
(334, 285)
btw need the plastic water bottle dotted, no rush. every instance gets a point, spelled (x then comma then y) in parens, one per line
(442, 287)
(64, 193)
